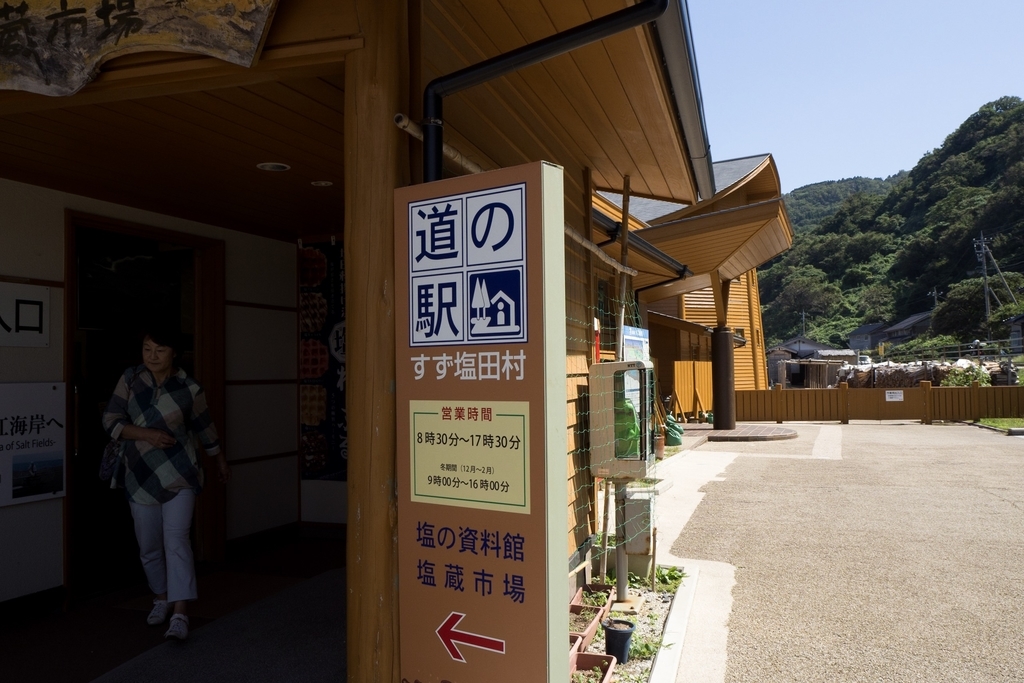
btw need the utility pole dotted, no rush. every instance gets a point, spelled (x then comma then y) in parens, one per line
(996, 264)
(803, 323)
(935, 293)
(979, 250)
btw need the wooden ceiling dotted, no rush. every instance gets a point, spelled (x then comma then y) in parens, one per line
(181, 135)
(194, 154)
(605, 106)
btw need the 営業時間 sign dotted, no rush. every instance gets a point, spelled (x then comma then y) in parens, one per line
(481, 434)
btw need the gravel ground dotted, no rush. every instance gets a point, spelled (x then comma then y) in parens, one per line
(650, 622)
(903, 561)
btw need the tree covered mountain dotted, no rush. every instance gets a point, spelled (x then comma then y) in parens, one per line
(809, 205)
(879, 254)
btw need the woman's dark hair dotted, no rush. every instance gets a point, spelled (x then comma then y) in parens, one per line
(163, 334)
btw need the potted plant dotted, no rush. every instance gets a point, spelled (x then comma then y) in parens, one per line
(595, 595)
(593, 668)
(583, 621)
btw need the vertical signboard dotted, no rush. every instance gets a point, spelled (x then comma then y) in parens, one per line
(322, 420)
(480, 317)
(32, 442)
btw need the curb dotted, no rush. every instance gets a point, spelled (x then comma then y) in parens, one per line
(666, 662)
(1012, 431)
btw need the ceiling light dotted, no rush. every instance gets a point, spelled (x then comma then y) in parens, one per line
(321, 183)
(273, 166)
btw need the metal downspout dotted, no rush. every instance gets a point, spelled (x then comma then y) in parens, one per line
(527, 55)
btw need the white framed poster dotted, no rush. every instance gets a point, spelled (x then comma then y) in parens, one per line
(32, 442)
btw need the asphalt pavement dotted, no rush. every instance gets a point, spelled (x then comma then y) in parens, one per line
(863, 552)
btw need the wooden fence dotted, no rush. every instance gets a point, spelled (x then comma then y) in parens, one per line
(692, 393)
(924, 402)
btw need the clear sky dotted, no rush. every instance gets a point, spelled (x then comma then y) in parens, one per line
(842, 88)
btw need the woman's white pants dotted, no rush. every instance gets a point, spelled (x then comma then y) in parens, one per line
(164, 545)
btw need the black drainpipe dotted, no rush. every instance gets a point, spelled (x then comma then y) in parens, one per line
(527, 55)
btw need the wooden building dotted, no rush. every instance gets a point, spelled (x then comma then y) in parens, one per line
(228, 173)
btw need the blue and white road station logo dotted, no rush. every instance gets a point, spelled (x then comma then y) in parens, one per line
(467, 265)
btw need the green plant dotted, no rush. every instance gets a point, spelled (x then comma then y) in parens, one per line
(595, 598)
(962, 377)
(669, 578)
(593, 675)
(641, 647)
(636, 581)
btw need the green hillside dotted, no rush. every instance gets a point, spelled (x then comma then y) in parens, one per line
(807, 206)
(876, 257)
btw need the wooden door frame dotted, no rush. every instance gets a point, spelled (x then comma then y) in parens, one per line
(208, 255)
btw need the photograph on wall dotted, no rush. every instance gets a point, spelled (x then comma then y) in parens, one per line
(32, 442)
(322, 419)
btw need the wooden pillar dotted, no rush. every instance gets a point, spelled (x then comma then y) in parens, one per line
(976, 401)
(376, 162)
(844, 403)
(926, 387)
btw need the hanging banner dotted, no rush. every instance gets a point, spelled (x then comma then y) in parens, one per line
(323, 427)
(55, 47)
(24, 315)
(32, 442)
(482, 496)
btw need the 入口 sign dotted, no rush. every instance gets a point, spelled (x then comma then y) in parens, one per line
(482, 500)
(24, 315)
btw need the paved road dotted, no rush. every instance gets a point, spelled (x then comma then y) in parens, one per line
(868, 552)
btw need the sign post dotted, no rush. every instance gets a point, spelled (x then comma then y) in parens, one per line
(482, 494)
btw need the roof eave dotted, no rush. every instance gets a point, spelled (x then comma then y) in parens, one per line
(675, 36)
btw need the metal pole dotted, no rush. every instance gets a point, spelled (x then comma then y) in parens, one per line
(604, 529)
(621, 561)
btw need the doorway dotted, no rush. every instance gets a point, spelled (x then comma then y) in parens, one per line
(122, 278)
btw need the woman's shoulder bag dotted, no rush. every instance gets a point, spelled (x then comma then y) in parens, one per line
(112, 451)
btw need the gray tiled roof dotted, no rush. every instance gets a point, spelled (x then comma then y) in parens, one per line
(730, 171)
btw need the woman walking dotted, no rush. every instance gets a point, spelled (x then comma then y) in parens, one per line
(159, 412)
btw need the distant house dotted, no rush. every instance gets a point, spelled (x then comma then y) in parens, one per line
(867, 336)
(797, 347)
(907, 329)
(1017, 333)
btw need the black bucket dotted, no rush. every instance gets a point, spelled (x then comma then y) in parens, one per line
(617, 635)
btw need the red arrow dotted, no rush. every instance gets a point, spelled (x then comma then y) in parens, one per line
(449, 636)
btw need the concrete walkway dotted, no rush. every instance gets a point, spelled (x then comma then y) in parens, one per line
(865, 552)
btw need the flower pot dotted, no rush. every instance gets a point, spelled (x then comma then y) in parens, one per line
(587, 662)
(591, 616)
(617, 635)
(575, 641)
(592, 588)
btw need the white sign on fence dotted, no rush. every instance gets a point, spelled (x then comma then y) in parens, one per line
(24, 315)
(894, 395)
(32, 442)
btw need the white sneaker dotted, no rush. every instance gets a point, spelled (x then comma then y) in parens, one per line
(158, 614)
(178, 628)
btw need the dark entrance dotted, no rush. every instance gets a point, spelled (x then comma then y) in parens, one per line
(123, 282)
(117, 276)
